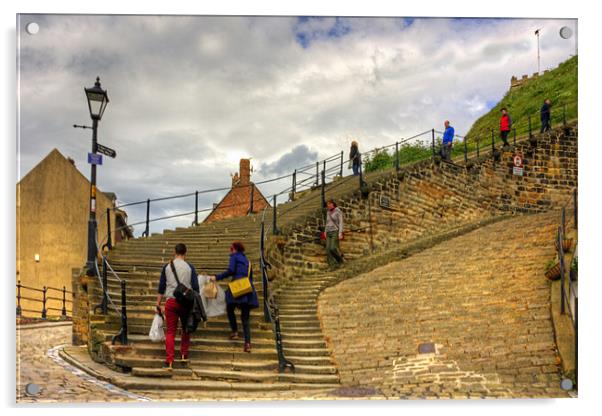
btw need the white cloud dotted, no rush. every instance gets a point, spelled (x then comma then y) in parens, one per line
(190, 95)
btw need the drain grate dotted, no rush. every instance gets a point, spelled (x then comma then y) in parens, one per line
(427, 348)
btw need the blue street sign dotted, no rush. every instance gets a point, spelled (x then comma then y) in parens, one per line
(94, 159)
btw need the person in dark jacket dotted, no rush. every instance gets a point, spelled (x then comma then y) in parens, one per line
(173, 310)
(505, 126)
(239, 268)
(355, 158)
(545, 115)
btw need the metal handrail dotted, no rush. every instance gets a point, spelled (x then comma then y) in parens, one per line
(45, 298)
(270, 308)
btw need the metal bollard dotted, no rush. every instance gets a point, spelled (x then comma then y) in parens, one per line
(64, 310)
(44, 302)
(19, 311)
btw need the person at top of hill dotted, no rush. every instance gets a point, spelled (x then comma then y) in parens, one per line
(448, 141)
(545, 115)
(334, 233)
(239, 267)
(174, 311)
(505, 126)
(355, 158)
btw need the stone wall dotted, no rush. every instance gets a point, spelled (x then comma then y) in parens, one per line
(429, 197)
(81, 306)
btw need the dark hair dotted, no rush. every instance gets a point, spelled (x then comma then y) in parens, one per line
(180, 249)
(332, 201)
(504, 109)
(238, 246)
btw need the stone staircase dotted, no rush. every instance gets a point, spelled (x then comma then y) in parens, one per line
(218, 364)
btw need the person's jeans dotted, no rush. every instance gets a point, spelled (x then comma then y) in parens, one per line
(356, 169)
(174, 312)
(446, 151)
(504, 135)
(245, 313)
(333, 252)
(545, 126)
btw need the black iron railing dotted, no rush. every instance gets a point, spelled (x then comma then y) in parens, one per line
(270, 307)
(28, 293)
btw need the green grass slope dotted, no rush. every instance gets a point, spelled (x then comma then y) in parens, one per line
(559, 85)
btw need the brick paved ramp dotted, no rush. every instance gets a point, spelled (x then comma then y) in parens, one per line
(481, 298)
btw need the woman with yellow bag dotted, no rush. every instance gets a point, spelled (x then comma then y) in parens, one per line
(241, 292)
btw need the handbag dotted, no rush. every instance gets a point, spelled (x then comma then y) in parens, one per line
(242, 286)
(210, 290)
(182, 293)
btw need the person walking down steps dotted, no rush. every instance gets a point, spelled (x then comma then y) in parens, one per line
(334, 233)
(239, 268)
(355, 158)
(505, 126)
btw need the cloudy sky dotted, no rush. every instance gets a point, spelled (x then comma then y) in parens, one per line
(190, 96)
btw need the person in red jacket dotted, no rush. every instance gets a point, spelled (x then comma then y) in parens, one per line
(505, 126)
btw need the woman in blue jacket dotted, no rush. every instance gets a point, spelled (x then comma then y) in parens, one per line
(237, 269)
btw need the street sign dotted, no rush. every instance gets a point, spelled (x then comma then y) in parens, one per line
(517, 169)
(105, 150)
(94, 159)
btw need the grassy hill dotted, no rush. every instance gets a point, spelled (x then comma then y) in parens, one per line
(559, 85)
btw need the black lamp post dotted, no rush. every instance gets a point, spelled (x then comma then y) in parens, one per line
(97, 102)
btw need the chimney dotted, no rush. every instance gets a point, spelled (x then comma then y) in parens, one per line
(245, 172)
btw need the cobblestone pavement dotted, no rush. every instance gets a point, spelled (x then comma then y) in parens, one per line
(38, 362)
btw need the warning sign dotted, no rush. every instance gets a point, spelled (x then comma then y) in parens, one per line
(517, 169)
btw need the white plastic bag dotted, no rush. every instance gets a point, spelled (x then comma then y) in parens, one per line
(156, 333)
(213, 307)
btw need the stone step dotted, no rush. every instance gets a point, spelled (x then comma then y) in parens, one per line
(310, 360)
(185, 373)
(147, 383)
(306, 352)
(210, 342)
(156, 362)
(225, 352)
(208, 332)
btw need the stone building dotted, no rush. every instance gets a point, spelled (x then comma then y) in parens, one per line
(52, 228)
(237, 202)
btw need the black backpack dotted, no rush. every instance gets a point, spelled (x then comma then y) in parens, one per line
(182, 293)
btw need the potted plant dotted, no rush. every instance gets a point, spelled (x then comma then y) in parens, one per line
(567, 243)
(573, 273)
(553, 270)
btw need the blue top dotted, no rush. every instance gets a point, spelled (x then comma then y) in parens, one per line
(448, 135)
(238, 268)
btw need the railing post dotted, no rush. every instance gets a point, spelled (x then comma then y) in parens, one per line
(105, 283)
(530, 133)
(361, 175)
(317, 173)
(64, 310)
(123, 332)
(324, 165)
(274, 217)
(465, 150)
(341, 170)
(561, 263)
(109, 242)
(433, 141)
(252, 197)
(294, 188)
(575, 206)
(323, 189)
(44, 290)
(514, 131)
(576, 326)
(146, 230)
(563, 222)
(397, 156)
(19, 298)
(264, 276)
(196, 208)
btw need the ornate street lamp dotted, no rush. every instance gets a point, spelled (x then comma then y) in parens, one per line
(97, 102)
